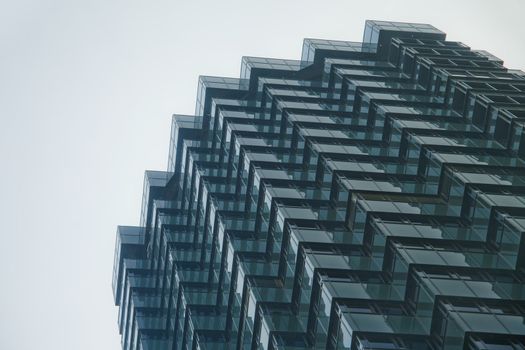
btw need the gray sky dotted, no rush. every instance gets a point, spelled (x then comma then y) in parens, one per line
(87, 89)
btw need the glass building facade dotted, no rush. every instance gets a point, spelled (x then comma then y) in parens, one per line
(368, 196)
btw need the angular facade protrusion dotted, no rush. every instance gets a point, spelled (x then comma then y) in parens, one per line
(369, 196)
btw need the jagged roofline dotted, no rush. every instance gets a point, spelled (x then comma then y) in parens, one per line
(369, 193)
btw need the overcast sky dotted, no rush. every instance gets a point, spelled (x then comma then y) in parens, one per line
(87, 89)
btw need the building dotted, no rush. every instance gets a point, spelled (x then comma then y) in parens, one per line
(368, 196)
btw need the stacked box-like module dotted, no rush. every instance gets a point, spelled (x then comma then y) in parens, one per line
(368, 196)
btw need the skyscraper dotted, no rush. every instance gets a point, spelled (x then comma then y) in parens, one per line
(368, 196)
